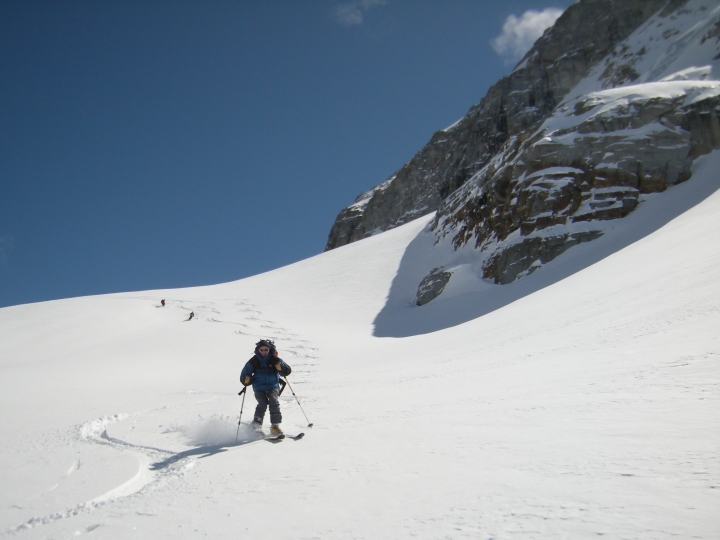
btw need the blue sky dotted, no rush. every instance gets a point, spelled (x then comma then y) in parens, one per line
(174, 143)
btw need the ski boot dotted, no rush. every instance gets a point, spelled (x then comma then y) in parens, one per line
(257, 425)
(275, 430)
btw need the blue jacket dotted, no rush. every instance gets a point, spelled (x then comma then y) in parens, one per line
(262, 371)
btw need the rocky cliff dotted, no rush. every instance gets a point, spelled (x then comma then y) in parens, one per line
(612, 105)
(582, 37)
(632, 127)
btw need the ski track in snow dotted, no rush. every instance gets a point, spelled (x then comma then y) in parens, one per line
(574, 408)
(156, 465)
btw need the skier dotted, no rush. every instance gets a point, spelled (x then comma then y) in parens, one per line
(192, 314)
(263, 371)
(162, 302)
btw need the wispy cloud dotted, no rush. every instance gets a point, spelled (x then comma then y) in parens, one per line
(519, 33)
(353, 13)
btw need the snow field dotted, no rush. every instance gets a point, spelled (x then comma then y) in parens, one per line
(589, 407)
(578, 402)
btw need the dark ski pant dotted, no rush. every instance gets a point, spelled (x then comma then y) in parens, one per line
(264, 399)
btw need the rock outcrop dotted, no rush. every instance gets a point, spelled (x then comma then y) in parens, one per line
(612, 104)
(583, 36)
(432, 286)
(590, 161)
(522, 259)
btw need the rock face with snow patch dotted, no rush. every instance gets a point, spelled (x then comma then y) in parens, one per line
(523, 258)
(585, 34)
(595, 157)
(612, 104)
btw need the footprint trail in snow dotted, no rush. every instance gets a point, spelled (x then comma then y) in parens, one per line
(166, 443)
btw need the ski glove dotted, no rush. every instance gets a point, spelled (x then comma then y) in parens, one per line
(247, 380)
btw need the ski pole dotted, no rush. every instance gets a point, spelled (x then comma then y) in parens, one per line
(241, 393)
(298, 401)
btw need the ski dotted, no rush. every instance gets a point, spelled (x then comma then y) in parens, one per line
(282, 436)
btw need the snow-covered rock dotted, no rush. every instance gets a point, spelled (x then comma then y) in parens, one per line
(614, 102)
(584, 35)
(610, 141)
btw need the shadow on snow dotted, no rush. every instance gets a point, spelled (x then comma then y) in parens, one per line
(201, 451)
(400, 317)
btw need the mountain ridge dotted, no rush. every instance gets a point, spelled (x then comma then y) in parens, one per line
(584, 34)
(631, 125)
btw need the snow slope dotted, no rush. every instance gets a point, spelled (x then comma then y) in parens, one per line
(583, 407)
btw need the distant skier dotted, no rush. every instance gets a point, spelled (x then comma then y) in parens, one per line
(192, 314)
(263, 371)
(162, 302)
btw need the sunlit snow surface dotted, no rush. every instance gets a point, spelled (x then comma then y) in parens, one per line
(588, 407)
(580, 401)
